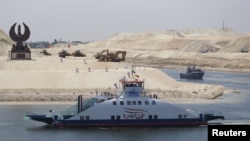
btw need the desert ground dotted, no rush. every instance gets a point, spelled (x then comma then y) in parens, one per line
(51, 78)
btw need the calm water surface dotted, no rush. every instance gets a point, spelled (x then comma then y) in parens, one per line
(235, 107)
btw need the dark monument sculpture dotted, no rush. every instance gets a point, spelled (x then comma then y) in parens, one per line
(20, 51)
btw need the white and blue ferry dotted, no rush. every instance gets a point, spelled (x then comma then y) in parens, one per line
(131, 107)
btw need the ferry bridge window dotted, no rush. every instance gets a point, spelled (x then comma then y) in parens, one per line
(134, 102)
(81, 117)
(118, 118)
(153, 102)
(150, 117)
(112, 117)
(146, 102)
(139, 102)
(87, 117)
(114, 102)
(121, 103)
(128, 102)
(155, 116)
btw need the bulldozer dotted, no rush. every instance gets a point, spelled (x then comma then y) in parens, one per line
(63, 54)
(78, 53)
(112, 57)
(45, 52)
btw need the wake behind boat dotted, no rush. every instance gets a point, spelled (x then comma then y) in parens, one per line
(131, 107)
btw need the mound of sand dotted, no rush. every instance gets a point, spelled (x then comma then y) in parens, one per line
(241, 44)
(50, 78)
(47, 76)
(214, 49)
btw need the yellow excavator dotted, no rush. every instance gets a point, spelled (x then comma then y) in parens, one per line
(101, 54)
(111, 57)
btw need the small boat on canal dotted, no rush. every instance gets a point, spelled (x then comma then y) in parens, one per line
(193, 72)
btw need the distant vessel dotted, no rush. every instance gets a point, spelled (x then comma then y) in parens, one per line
(193, 72)
(132, 107)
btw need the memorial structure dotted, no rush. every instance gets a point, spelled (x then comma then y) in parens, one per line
(20, 51)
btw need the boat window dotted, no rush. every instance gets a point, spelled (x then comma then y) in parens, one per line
(118, 118)
(150, 117)
(81, 117)
(134, 102)
(155, 116)
(128, 102)
(112, 117)
(153, 102)
(139, 102)
(114, 102)
(146, 102)
(180, 116)
(121, 103)
(87, 117)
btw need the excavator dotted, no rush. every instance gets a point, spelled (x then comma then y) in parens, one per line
(123, 53)
(111, 57)
(100, 54)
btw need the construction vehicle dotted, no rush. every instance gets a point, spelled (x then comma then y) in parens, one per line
(100, 54)
(63, 54)
(123, 55)
(111, 57)
(45, 52)
(78, 53)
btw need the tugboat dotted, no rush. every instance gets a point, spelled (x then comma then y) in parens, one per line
(131, 107)
(193, 72)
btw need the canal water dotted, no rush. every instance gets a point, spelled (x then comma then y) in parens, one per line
(234, 106)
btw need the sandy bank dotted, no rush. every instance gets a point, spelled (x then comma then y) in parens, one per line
(49, 79)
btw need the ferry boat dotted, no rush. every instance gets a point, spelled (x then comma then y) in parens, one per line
(131, 107)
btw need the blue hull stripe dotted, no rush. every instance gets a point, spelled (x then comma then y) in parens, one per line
(130, 123)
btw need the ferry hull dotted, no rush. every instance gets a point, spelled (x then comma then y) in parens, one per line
(130, 123)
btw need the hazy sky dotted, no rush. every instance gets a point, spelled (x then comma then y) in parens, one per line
(86, 20)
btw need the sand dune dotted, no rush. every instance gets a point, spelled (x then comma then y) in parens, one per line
(214, 49)
(46, 78)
